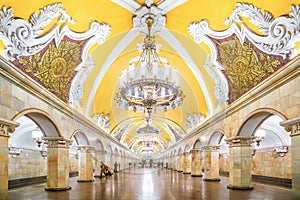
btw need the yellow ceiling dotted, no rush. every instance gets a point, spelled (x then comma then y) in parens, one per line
(120, 21)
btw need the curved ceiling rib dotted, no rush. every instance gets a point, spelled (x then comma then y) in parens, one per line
(110, 59)
(168, 36)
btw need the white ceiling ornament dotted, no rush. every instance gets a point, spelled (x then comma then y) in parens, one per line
(193, 120)
(279, 35)
(102, 121)
(142, 14)
(23, 38)
(76, 91)
(221, 90)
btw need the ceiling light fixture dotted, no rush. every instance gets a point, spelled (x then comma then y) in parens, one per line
(150, 84)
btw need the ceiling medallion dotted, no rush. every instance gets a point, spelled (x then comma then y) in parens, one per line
(151, 85)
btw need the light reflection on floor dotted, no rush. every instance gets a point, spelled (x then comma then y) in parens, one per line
(150, 184)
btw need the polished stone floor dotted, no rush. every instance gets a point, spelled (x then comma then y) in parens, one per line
(150, 184)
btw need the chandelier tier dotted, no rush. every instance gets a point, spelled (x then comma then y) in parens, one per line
(151, 84)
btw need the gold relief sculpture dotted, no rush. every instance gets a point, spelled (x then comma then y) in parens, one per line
(55, 66)
(244, 67)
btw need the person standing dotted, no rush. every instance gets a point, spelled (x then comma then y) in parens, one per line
(115, 167)
(102, 172)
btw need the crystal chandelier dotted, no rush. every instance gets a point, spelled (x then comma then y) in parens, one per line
(151, 84)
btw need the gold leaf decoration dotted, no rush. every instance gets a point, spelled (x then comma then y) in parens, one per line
(54, 67)
(244, 67)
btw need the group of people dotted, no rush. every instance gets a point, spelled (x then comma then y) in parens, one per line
(105, 170)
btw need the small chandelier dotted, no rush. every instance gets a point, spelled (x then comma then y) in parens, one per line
(260, 135)
(151, 85)
(37, 136)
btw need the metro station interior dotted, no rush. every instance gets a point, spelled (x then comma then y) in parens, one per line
(178, 98)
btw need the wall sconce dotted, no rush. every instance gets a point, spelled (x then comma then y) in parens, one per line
(253, 151)
(281, 150)
(44, 153)
(14, 151)
(37, 136)
(260, 135)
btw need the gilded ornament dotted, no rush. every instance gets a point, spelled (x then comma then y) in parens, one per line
(55, 67)
(244, 67)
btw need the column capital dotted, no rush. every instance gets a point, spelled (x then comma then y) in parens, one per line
(56, 142)
(7, 126)
(210, 148)
(86, 147)
(195, 150)
(238, 141)
(292, 125)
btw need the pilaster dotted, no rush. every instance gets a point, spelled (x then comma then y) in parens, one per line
(196, 164)
(6, 127)
(240, 172)
(57, 163)
(293, 126)
(180, 163)
(211, 163)
(186, 163)
(85, 163)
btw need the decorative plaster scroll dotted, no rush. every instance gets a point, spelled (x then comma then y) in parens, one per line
(20, 36)
(46, 58)
(244, 57)
(76, 91)
(279, 35)
(221, 89)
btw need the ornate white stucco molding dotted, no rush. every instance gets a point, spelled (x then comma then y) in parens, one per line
(76, 91)
(22, 38)
(279, 35)
(221, 89)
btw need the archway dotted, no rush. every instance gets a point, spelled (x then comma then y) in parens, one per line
(42, 119)
(27, 142)
(270, 146)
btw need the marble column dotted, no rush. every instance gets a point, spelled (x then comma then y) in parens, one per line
(240, 171)
(211, 163)
(85, 163)
(196, 163)
(6, 127)
(57, 163)
(112, 159)
(99, 157)
(293, 126)
(180, 163)
(169, 162)
(186, 163)
(172, 162)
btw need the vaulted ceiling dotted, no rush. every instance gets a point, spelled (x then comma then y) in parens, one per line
(78, 51)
